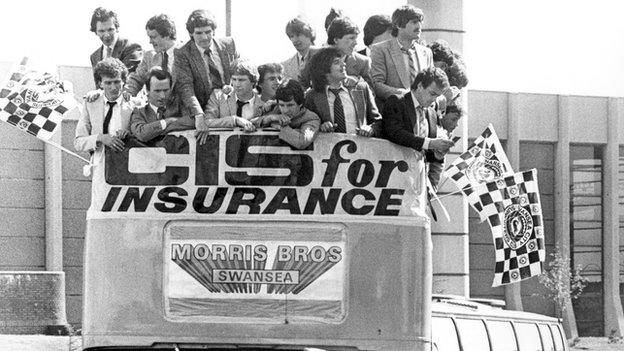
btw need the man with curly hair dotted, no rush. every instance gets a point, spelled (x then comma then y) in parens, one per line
(105, 25)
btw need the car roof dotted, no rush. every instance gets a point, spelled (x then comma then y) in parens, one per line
(482, 308)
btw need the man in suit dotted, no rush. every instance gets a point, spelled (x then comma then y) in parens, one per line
(396, 62)
(233, 109)
(161, 32)
(203, 63)
(344, 104)
(410, 120)
(377, 28)
(301, 35)
(163, 113)
(298, 126)
(105, 122)
(342, 34)
(105, 25)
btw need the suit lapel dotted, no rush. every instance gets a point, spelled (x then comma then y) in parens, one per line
(200, 65)
(357, 96)
(322, 104)
(350, 65)
(225, 61)
(409, 108)
(399, 63)
(119, 46)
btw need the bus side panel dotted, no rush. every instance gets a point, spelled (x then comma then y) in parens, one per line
(386, 297)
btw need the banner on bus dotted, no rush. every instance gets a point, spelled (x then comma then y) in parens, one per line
(258, 174)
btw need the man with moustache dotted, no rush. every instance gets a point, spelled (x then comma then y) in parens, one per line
(105, 25)
(203, 63)
(396, 62)
(342, 34)
(161, 32)
(301, 35)
(163, 113)
(344, 104)
(105, 122)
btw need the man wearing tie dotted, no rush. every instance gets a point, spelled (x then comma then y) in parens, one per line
(344, 104)
(396, 62)
(202, 64)
(301, 35)
(105, 122)
(236, 108)
(161, 32)
(105, 25)
(163, 113)
(410, 120)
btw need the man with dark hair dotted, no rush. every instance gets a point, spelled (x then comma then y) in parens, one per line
(161, 32)
(396, 62)
(442, 54)
(234, 109)
(331, 16)
(105, 25)
(105, 122)
(449, 121)
(302, 36)
(410, 120)
(377, 28)
(344, 104)
(270, 77)
(342, 34)
(203, 63)
(163, 112)
(298, 126)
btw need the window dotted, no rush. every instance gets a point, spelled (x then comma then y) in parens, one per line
(528, 337)
(547, 339)
(444, 334)
(557, 337)
(502, 336)
(472, 334)
(586, 234)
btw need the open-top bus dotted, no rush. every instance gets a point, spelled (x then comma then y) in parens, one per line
(247, 243)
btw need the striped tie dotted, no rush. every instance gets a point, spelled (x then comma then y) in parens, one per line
(412, 65)
(339, 116)
(217, 81)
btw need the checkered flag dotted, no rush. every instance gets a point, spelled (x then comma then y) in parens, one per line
(484, 161)
(34, 101)
(514, 212)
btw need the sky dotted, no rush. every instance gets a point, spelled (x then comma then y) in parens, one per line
(547, 46)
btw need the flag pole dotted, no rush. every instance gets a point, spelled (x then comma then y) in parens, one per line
(65, 150)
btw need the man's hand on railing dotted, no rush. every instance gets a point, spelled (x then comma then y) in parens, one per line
(201, 136)
(247, 126)
(327, 127)
(113, 142)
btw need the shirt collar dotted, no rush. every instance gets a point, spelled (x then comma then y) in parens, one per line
(342, 87)
(250, 101)
(118, 100)
(413, 47)
(202, 50)
(170, 51)
(153, 107)
(112, 46)
(416, 103)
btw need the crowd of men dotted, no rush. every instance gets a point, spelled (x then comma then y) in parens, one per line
(396, 88)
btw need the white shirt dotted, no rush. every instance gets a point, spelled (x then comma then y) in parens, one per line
(419, 118)
(248, 111)
(214, 55)
(412, 53)
(112, 47)
(170, 54)
(115, 122)
(347, 106)
(163, 123)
